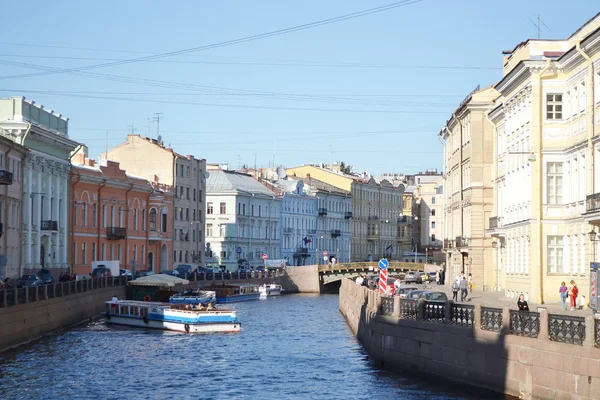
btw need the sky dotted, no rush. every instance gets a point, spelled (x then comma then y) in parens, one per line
(373, 91)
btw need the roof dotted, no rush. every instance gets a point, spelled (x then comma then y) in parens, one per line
(320, 185)
(158, 280)
(222, 181)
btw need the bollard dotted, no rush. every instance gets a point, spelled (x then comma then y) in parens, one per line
(45, 292)
(37, 293)
(26, 294)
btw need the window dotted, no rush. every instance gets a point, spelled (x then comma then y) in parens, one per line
(223, 208)
(94, 252)
(135, 219)
(94, 214)
(432, 224)
(84, 214)
(112, 216)
(433, 212)
(187, 214)
(104, 251)
(120, 217)
(104, 215)
(153, 219)
(209, 229)
(209, 208)
(74, 213)
(75, 253)
(555, 254)
(143, 221)
(83, 252)
(433, 200)
(163, 221)
(432, 238)
(554, 106)
(554, 181)
(222, 230)
(194, 194)
(187, 193)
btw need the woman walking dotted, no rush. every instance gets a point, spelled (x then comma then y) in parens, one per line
(573, 292)
(564, 293)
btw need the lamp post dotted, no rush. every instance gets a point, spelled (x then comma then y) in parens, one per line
(592, 234)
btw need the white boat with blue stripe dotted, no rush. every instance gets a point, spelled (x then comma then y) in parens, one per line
(234, 293)
(154, 315)
(194, 296)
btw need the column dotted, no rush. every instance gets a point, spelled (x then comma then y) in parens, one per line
(38, 214)
(56, 215)
(28, 206)
(64, 215)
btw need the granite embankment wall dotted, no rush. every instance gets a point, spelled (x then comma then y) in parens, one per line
(31, 319)
(427, 338)
(304, 279)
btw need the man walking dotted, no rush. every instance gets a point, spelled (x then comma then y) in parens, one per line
(464, 289)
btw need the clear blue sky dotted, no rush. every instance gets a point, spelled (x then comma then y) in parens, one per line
(377, 69)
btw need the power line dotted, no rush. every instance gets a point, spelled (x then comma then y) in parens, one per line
(231, 42)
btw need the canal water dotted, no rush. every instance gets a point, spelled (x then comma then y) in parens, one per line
(290, 347)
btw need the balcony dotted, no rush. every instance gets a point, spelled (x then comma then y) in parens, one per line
(461, 242)
(115, 233)
(302, 251)
(373, 218)
(49, 225)
(348, 215)
(448, 244)
(288, 231)
(322, 212)
(495, 222)
(402, 220)
(372, 236)
(336, 233)
(6, 178)
(592, 203)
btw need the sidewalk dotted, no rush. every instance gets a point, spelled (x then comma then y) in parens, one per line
(497, 299)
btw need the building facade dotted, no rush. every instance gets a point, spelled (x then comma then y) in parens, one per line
(545, 172)
(12, 157)
(45, 228)
(469, 191)
(242, 220)
(150, 159)
(376, 211)
(118, 216)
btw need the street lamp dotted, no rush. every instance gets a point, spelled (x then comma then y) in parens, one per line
(593, 239)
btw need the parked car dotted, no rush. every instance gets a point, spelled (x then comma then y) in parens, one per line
(429, 295)
(45, 277)
(403, 291)
(28, 281)
(125, 272)
(413, 277)
(144, 272)
(171, 273)
(101, 272)
(185, 270)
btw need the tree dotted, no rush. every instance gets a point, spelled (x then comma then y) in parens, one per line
(346, 168)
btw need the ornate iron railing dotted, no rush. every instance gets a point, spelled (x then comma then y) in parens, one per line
(524, 323)
(491, 319)
(597, 332)
(566, 328)
(408, 309)
(462, 314)
(434, 311)
(592, 202)
(387, 305)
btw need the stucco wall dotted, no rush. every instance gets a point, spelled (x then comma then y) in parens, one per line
(25, 322)
(519, 366)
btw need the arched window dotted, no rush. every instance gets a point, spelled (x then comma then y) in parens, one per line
(152, 218)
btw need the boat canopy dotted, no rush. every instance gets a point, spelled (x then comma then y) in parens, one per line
(158, 280)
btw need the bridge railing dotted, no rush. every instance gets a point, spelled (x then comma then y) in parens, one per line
(393, 265)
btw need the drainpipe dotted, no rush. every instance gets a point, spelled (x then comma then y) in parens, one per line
(127, 222)
(460, 230)
(98, 248)
(495, 191)
(72, 173)
(538, 154)
(590, 119)
(148, 225)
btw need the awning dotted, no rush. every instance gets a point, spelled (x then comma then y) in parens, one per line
(158, 280)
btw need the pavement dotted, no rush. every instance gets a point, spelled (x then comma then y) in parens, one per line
(498, 300)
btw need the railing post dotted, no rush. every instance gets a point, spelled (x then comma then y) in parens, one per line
(421, 309)
(26, 289)
(68, 287)
(397, 307)
(505, 319)
(4, 298)
(54, 290)
(448, 311)
(16, 296)
(590, 331)
(544, 335)
(37, 293)
(45, 292)
(477, 317)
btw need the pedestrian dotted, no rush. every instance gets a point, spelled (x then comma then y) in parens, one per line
(573, 292)
(437, 277)
(396, 286)
(470, 283)
(522, 304)
(455, 289)
(464, 289)
(564, 293)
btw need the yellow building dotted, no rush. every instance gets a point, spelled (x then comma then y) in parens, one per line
(376, 211)
(468, 194)
(547, 183)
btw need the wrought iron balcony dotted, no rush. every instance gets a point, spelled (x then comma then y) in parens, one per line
(495, 222)
(6, 178)
(348, 215)
(460, 241)
(115, 233)
(49, 225)
(302, 251)
(288, 231)
(402, 220)
(448, 244)
(373, 218)
(592, 203)
(322, 212)
(336, 233)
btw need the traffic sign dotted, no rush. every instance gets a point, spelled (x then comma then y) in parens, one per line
(325, 253)
(383, 263)
(238, 250)
(265, 257)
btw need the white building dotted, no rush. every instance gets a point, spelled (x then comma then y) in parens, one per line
(45, 180)
(242, 220)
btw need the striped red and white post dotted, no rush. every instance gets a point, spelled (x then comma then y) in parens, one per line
(383, 273)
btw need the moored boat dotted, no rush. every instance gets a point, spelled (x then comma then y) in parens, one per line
(271, 290)
(154, 315)
(235, 293)
(192, 296)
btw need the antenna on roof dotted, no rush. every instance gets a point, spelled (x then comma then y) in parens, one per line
(157, 119)
(539, 25)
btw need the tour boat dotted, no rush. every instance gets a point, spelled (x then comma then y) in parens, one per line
(154, 315)
(235, 293)
(192, 296)
(271, 290)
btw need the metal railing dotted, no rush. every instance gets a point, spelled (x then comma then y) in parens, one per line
(524, 323)
(462, 314)
(387, 305)
(434, 311)
(495, 222)
(393, 265)
(491, 319)
(49, 225)
(592, 202)
(566, 328)
(408, 309)
(115, 233)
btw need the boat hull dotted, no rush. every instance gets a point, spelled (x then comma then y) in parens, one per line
(238, 297)
(192, 300)
(203, 327)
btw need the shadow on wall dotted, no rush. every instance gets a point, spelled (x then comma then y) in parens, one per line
(453, 353)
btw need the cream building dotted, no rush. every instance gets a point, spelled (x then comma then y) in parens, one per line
(546, 178)
(45, 179)
(376, 211)
(468, 200)
(150, 159)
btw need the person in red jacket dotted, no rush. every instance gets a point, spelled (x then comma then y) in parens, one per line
(573, 292)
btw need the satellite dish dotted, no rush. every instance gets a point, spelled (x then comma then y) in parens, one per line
(206, 175)
(281, 172)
